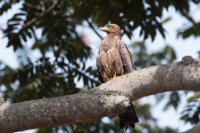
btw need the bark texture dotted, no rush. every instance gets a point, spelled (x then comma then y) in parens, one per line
(109, 99)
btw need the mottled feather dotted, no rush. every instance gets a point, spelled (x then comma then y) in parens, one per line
(114, 59)
(125, 57)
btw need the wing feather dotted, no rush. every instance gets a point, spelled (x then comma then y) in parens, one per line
(125, 57)
(99, 68)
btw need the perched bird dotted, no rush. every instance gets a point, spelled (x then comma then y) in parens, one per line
(114, 59)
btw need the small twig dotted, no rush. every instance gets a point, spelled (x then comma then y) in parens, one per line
(188, 17)
(90, 24)
(34, 20)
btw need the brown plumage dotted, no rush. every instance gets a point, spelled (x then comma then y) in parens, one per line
(113, 60)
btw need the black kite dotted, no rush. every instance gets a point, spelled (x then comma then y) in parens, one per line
(113, 60)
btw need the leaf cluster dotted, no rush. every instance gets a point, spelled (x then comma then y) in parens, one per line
(50, 26)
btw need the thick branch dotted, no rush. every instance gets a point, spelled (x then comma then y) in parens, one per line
(109, 99)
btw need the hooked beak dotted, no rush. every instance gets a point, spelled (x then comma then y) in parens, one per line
(105, 28)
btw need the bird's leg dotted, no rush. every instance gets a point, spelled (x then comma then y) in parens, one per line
(115, 75)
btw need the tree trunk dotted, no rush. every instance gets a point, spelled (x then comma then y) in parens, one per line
(108, 99)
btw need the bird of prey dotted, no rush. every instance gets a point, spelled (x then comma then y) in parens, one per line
(114, 59)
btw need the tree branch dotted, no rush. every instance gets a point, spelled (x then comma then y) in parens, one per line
(34, 20)
(109, 99)
(93, 28)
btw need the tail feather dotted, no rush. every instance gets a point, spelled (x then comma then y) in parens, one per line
(129, 117)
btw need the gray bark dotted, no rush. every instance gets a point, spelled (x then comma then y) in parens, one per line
(108, 99)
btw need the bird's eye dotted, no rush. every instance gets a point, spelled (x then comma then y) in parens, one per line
(108, 25)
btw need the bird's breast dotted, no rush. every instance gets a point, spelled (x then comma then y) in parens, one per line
(111, 63)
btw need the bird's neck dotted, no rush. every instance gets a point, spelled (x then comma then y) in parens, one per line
(109, 42)
(114, 36)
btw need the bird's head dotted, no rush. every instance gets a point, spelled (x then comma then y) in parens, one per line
(111, 29)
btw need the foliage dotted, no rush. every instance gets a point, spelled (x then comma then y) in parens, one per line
(193, 30)
(191, 111)
(144, 59)
(64, 53)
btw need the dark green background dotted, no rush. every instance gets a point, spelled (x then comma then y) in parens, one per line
(57, 75)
